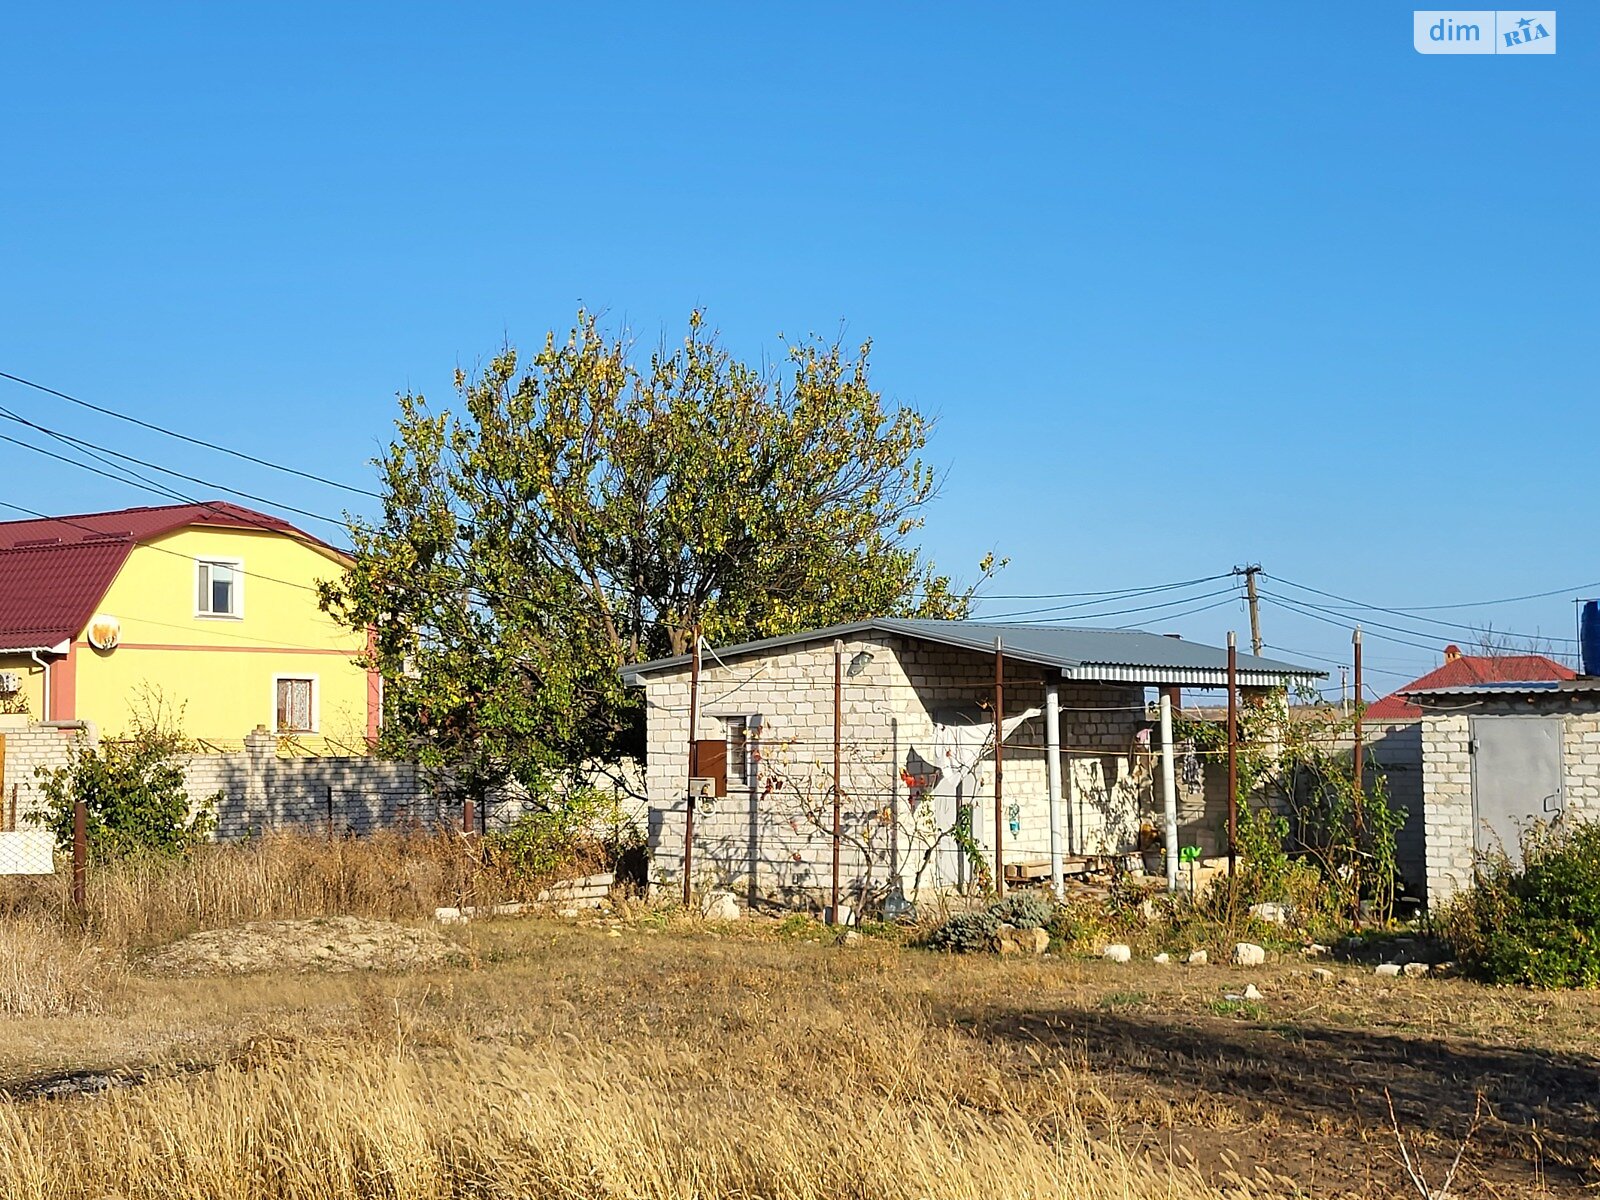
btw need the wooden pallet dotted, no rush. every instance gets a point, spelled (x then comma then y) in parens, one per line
(1037, 870)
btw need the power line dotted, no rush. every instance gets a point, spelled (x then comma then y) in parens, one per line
(1001, 618)
(95, 450)
(193, 441)
(1339, 622)
(68, 521)
(1100, 597)
(1412, 614)
(1380, 624)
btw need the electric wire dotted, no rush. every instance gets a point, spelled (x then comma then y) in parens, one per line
(193, 441)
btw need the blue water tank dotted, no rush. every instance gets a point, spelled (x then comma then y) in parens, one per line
(1589, 637)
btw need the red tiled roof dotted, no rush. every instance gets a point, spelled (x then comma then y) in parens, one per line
(54, 571)
(1465, 671)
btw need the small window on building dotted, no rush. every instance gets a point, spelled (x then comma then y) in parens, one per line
(221, 588)
(297, 711)
(738, 751)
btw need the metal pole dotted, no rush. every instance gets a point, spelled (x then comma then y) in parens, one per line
(80, 854)
(999, 767)
(330, 811)
(1233, 752)
(694, 763)
(468, 821)
(1169, 791)
(838, 726)
(1358, 765)
(1052, 766)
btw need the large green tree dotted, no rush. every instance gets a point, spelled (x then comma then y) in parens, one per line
(591, 509)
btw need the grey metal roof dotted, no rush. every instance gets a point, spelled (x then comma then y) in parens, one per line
(1583, 683)
(1090, 655)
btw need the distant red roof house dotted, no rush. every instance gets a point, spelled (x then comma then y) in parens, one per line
(1464, 670)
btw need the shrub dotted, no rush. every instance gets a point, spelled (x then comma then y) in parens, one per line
(1538, 923)
(1024, 911)
(133, 794)
(965, 933)
(566, 832)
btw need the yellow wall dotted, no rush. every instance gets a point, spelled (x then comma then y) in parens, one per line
(32, 693)
(219, 670)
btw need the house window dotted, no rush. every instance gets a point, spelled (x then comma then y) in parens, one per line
(738, 729)
(297, 705)
(221, 587)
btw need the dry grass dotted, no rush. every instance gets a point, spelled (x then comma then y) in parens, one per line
(46, 971)
(651, 1056)
(579, 1123)
(280, 875)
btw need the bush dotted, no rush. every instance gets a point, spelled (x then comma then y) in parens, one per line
(572, 830)
(1539, 923)
(1024, 911)
(965, 933)
(133, 794)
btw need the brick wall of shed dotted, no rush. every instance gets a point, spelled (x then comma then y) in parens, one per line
(1447, 777)
(773, 841)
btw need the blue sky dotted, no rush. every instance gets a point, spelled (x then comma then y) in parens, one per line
(1188, 285)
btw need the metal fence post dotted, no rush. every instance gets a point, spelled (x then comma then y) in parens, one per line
(80, 854)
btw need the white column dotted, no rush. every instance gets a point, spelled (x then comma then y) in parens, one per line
(1052, 766)
(1169, 792)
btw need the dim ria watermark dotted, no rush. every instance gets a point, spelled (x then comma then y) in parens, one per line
(1484, 31)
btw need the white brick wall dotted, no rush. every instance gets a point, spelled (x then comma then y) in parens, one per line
(774, 842)
(1447, 776)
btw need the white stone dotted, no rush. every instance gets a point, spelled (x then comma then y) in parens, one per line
(1273, 914)
(1162, 959)
(1322, 974)
(1388, 970)
(1117, 953)
(1198, 958)
(720, 906)
(1316, 950)
(448, 916)
(1248, 954)
(848, 938)
(1415, 970)
(1251, 992)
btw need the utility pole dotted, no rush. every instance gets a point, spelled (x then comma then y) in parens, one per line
(694, 767)
(1250, 572)
(1233, 752)
(838, 723)
(999, 767)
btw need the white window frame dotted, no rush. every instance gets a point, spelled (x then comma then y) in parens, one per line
(752, 733)
(316, 703)
(238, 591)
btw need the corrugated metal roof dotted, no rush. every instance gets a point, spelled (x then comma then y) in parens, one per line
(1534, 687)
(49, 592)
(1090, 655)
(149, 521)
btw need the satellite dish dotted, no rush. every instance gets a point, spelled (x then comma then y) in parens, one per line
(104, 632)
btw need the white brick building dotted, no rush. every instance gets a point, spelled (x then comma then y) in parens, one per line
(1496, 758)
(917, 701)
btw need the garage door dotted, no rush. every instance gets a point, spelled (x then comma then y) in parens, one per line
(1516, 778)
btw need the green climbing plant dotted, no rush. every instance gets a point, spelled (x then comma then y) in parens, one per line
(1308, 833)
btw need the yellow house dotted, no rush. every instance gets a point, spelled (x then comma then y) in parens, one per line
(211, 608)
